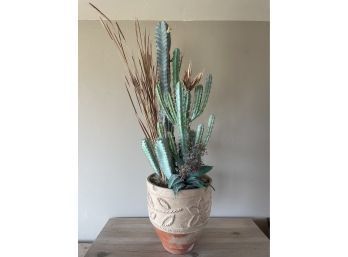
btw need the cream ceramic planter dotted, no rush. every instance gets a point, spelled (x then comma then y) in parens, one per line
(179, 218)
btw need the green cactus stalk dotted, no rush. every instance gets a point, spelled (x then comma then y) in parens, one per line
(165, 105)
(171, 107)
(197, 102)
(187, 106)
(163, 48)
(206, 93)
(172, 146)
(149, 153)
(164, 157)
(181, 118)
(160, 130)
(199, 134)
(176, 65)
(180, 162)
(210, 128)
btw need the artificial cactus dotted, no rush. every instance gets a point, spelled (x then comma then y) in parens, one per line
(172, 146)
(210, 128)
(179, 162)
(201, 97)
(149, 153)
(206, 93)
(164, 158)
(163, 42)
(181, 117)
(163, 48)
(199, 134)
(197, 101)
(160, 130)
(176, 65)
(166, 104)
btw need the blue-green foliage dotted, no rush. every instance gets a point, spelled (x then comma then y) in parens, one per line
(176, 65)
(164, 157)
(201, 97)
(148, 150)
(163, 46)
(178, 160)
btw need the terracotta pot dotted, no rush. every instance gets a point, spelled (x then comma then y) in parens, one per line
(178, 219)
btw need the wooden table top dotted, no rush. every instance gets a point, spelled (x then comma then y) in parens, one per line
(222, 237)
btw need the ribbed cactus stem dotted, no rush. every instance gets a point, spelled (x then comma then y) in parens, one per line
(164, 158)
(176, 65)
(163, 47)
(149, 153)
(206, 94)
(163, 104)
(160, 130)
(197, 101)
(210, 128)
(172, 146)
(170, 106)
(181, 114)
(187, 105)
(199, 134)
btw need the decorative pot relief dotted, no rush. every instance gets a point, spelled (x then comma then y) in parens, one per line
(200, 213)
(165, 209)
(188, 211)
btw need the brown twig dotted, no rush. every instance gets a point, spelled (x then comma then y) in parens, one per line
(141, 74)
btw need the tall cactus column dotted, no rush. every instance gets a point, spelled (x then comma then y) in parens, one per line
(163, 41)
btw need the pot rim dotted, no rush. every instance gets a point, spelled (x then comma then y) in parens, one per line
(182, 193)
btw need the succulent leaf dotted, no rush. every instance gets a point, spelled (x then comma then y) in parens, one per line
(195, 182)
(202, 170)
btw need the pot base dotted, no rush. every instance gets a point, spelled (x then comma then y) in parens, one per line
(177, 243)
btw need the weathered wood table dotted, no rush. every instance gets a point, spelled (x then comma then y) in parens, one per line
(222, 237)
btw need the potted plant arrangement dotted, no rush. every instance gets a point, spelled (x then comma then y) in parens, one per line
(179, 191)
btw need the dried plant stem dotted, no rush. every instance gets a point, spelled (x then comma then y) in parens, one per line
(141, 75)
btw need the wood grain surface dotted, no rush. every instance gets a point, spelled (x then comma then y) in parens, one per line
(222, 237)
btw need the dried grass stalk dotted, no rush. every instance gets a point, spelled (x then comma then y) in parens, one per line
(141, 77)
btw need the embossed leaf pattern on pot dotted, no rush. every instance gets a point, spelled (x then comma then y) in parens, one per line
(194, 211)
(165, 208)
(205, 209)
(184, 213)
(199, 212)
(149, 200)
(163, 203)
(169, 220)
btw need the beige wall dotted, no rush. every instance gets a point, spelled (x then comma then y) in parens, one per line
(178, 10)
(112, 167)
